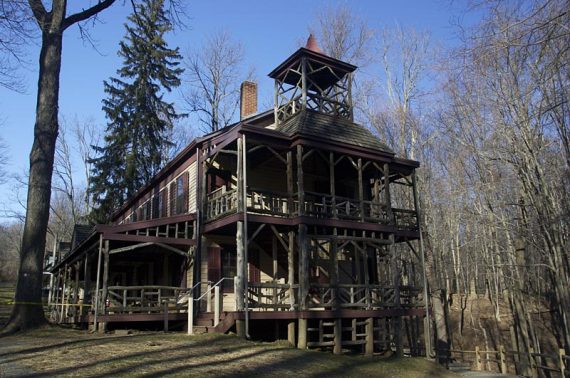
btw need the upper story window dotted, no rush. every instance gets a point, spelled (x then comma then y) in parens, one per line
(179, 195)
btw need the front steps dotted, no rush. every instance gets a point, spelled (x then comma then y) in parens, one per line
(205, 323)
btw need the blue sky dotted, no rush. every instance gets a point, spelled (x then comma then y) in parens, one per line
(269, 31)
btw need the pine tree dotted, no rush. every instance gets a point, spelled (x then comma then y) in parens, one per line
(138, 119)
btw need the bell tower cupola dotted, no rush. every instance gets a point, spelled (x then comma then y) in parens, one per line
(309, 79)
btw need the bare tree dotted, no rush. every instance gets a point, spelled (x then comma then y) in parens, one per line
(214, 71)
(10, 239)
(52, 25)
(343, 35)
(3, 160)
(86, 134)
(16, 31)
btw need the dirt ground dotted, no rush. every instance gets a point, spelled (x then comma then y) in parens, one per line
(59, 351)
(56, 351)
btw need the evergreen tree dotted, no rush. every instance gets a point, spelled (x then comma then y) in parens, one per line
(139, 121)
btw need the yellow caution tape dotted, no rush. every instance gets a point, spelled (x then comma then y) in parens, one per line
(45, 304)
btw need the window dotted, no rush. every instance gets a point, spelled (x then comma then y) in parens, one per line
(156, 206)
(222, 263)
(180, 195)
(229, 263)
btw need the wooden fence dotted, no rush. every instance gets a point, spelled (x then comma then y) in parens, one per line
(529, 364)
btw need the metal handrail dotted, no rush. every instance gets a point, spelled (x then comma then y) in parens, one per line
(211, 287)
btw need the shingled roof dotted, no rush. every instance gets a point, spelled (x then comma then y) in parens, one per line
(323, 126)
(80, 233)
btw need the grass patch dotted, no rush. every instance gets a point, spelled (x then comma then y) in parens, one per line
(66, 352)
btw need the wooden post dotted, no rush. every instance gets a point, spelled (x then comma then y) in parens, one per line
(209, 297)
(87, 283)
(105, 281)
(303, 267)
(503, 359)
(240, 246)
(63, 295)
(274, 275)
(51, 278)
(478, 365)
(302, 334)
(76, 284)
(369, 347)
(333, 273)
(332, 184)
(366, 274)
(97, 298)
(337, 349)
(304, 82)
(165, 315)
(216, 305)
(360, 190)
(290, 185)
(300, 187)
(69, 292)
(291, 333)
(190, 313)
(291, 270)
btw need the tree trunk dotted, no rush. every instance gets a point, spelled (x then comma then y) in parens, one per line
(28, 310)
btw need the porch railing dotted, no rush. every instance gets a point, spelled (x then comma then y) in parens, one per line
(221, 202)
(141, 299)
(271, 296)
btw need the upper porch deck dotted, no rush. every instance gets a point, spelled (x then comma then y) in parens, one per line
(222, 202)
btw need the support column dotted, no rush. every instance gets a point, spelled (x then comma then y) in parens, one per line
(302, 334)
(241, 264)
(360, 190)
(369, 346)
(291, 270)
(303, 283)
(291, 333)
(76, 289)
(87, 284)
(290, 184)
(337, 349)
(303, 266)
(333, 275)
(274, 268)
(105, 283)
(97, 297)
(300, 185)
(51, 278)
(332, 185)
(63, 295)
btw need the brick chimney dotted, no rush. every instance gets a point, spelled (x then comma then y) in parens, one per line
(248, 99)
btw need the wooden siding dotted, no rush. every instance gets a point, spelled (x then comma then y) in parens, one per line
(193, 182)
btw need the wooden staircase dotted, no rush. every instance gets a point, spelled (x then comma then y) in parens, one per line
(204, 323)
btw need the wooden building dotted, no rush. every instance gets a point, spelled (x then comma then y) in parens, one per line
(295, 222)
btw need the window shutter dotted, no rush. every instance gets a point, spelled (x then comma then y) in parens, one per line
(164, 207)
(214, 264)
(173, 198)
(185, 182)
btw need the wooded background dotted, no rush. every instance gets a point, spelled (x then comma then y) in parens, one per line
(489, 122)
